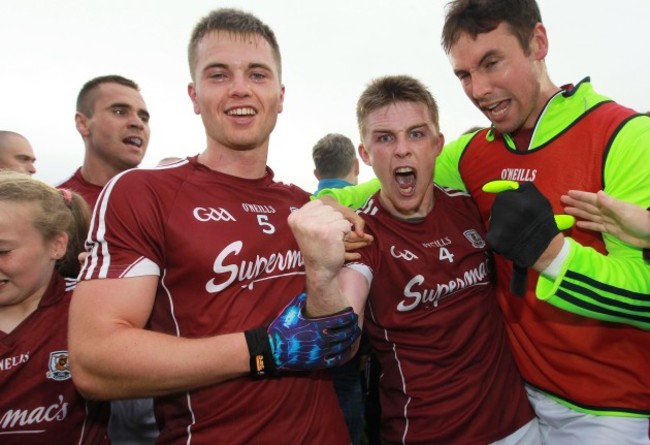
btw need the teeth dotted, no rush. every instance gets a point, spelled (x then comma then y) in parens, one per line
(404, 170)
(242, 112)
(134, 140)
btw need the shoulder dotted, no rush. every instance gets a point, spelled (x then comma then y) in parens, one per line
(291, 190)
(451, 193)
(72, 181)
(143, 180)
(452, 197)
(454, 200)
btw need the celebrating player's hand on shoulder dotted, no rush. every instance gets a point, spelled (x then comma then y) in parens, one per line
(603, 213)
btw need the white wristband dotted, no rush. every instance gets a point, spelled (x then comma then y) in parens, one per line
(553, 269)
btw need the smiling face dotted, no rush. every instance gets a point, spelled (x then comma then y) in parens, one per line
(26, 259)
(237, 90)
(401, 144)
(500, 78)
(118, 131)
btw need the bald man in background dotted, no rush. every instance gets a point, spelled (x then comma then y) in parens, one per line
(16, 153)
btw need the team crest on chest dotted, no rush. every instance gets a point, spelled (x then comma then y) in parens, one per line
(474, 238)
(59, 366)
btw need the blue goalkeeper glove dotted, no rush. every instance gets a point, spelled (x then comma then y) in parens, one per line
(292, 342)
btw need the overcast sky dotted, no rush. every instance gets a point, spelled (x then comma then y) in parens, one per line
(330, 50)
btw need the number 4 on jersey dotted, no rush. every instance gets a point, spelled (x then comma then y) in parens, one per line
(445, 254)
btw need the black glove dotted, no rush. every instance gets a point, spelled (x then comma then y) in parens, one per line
(521, 225)
(294, 343)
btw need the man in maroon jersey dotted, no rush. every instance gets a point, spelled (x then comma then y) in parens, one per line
(200, 253)
(428, 298)
(113, 122)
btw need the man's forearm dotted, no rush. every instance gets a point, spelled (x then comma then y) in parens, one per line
(133, 363)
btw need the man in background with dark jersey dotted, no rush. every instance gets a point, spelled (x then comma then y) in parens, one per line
(113, 122)
(580, 335)
(429, 299)
(199, 252)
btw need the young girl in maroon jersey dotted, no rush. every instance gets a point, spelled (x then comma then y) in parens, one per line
(42, 231)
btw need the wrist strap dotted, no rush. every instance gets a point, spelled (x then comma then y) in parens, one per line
(261, 362)
(519, 280)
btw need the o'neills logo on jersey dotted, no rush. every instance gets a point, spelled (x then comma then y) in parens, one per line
(228, 270)
(257, 208)
(442, 242)
(11, 418)
(59, 366)
(519, 174)
(11, 362)
(416, 295)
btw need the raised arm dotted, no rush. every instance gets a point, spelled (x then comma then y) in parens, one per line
(320, 231)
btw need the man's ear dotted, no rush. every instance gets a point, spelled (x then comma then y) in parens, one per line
(281, 106)
(191, 91)
(81, 123)
(439, 143)
(539, 42)
(365, 156)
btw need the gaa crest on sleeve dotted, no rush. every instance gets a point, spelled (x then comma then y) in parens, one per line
(474, 238)
(59, 366)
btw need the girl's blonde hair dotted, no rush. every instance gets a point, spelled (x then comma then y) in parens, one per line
(57, 211)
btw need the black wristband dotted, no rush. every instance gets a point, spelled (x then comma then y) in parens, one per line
(259, 348)
(519, 280)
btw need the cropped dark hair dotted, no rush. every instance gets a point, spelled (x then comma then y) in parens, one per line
(391, 89)
(235, 22)
(86, 98)
(476, 17)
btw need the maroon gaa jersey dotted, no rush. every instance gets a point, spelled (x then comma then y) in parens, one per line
(39, 404)
(77, 183)
(227, 262)
(433, 320)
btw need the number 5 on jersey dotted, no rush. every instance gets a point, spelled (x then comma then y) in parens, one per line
(267, 227)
